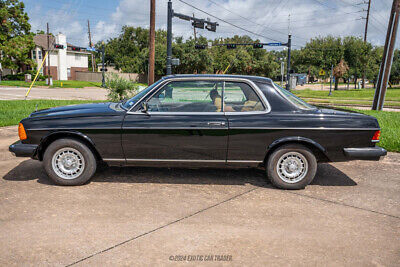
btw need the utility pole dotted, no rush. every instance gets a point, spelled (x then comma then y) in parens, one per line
(282, 71)
(365, 39)
(330, 86)
(289, 46)
(384, 71)
(103, 79)
(169, 38)
(152, 41)
(194, 31)
(48, 51)
(91, 45)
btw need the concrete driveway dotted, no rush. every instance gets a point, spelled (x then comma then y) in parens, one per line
(350, 215)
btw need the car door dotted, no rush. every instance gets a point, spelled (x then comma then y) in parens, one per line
(246, 109)
(182, 125)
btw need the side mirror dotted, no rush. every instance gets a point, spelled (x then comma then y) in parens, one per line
(145, 107)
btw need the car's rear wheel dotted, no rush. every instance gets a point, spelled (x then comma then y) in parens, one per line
(69, 162)
(291, 166)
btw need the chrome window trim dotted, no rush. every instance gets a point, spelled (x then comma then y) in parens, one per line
(230, 79)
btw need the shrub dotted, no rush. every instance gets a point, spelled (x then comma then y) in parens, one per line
(119, 88)
(21, 76)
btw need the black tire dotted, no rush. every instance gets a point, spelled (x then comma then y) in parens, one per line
(89, 160)
(273, 172)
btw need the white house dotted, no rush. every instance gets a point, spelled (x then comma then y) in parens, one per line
(63, 62)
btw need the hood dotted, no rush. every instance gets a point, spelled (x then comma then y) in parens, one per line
(76, 110)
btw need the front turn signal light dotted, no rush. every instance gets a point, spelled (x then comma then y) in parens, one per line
(376, 136)
(21, 132)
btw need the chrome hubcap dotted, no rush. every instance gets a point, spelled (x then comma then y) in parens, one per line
(292, 167)
(68, 163)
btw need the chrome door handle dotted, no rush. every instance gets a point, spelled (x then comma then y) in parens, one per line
(216, 123)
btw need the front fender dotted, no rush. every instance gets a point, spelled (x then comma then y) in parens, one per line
(51, 136)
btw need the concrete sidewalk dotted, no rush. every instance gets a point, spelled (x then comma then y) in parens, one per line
(349, 215)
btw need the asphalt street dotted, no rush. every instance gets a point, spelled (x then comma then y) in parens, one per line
(349, 215)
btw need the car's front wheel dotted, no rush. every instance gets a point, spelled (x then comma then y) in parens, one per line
(291, 166)
(69, 162)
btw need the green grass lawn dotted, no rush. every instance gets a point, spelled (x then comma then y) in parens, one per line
(56, 84)
(390, 125)
(360, 94)
(12, 111)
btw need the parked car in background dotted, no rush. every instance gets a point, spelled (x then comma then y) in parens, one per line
(199, 121)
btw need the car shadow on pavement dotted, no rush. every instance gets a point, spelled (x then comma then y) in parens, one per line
(327, 175)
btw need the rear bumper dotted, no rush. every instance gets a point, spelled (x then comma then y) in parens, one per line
(23, 150)
(365, 153)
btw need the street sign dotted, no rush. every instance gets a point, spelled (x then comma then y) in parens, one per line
(321, 72)
(175, 61)
(91, 49)
(274, 44)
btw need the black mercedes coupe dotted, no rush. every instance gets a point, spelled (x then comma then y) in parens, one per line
(199, 121)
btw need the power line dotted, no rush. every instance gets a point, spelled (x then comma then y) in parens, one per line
(227, 22)
(251, 21)
(340, 22)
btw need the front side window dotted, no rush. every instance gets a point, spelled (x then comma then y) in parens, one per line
(188, 96)
(40, 54)
(34, 54)
(240, 97)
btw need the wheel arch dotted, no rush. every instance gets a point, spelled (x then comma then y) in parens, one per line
(318, 150)
(51, 137)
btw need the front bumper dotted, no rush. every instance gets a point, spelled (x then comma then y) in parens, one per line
(23, 150)
(365, 153)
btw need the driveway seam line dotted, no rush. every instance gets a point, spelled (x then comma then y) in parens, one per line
(161, 227)
(346, 205)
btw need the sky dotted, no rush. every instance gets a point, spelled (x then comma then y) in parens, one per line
(266, 20)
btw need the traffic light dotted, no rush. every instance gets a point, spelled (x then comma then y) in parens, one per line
(211, 26)
(58, 46)
(75, 48)
(231, 46)
(200, 46)
(258, 45)
(198, 24)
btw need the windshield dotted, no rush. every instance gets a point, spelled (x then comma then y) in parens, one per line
(132, 101)
(298, 102)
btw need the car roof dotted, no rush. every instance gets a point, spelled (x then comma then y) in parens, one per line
(249, 77)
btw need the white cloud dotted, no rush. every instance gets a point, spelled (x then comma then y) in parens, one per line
(308, 19)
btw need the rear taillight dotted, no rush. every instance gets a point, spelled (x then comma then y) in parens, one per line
(376, 136)
(21, 132)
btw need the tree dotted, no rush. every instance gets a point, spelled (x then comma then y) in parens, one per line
(395, 70)
(16, 41)
(356, 53)
(373, 64)
(339, 71)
